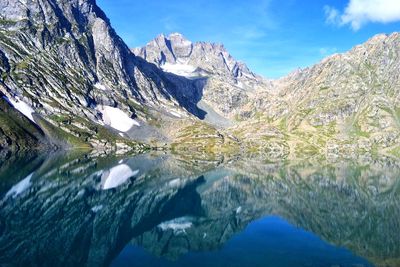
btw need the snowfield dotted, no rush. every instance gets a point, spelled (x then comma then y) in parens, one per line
(176, 114)
(179, 69)
(22, 107)
(117, 119)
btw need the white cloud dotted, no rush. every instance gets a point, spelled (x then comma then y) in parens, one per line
(360, 12)
(332, 15)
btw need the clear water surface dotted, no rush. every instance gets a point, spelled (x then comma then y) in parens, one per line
(169, 210)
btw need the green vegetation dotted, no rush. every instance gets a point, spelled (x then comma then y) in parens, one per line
(202, 137)
(7, 22)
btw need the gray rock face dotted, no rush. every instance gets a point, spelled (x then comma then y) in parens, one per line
(346, 105)
(229, 85)
(355, 92)
(63, 59)
(206, 58)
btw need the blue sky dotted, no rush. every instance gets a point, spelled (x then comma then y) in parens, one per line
(273, 37)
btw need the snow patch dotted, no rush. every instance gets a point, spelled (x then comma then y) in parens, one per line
(176, 114)
(22, 107)
(178, 225)
(20, 187)
(117, 119)
(100, 86)
(117, 176)
(180, 69)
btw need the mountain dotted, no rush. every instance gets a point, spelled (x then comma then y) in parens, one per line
(68, 80)
(345, 105)
(176, 54)
(63, 61)
(228, 86)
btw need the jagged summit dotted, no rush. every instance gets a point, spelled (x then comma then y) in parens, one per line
(227, 84)
(174, 53)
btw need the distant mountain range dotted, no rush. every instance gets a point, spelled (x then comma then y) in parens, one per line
(68, 80)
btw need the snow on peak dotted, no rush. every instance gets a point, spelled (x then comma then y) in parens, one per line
(117, 119)
(180, 69)
(176, 34)
(179, 40)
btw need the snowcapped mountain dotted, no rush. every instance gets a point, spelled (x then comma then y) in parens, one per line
(228, 85)
(176, 54)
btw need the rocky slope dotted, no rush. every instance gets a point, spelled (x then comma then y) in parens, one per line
(346, 104)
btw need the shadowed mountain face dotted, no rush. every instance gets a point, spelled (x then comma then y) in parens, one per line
(71, 210)
(64, 61)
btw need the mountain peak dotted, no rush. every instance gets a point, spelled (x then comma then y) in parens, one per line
(178, 39)
(176, 35)
(212, 58)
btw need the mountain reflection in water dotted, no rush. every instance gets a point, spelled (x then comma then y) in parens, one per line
(165, 210)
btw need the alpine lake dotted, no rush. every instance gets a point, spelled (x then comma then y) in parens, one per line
(160, 209)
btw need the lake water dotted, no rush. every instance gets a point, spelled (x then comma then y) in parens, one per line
(169, 210)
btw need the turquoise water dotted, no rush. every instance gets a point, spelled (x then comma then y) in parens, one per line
(270, 241)
(165, 210)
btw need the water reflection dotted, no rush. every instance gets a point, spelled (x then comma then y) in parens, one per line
(74, 210)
